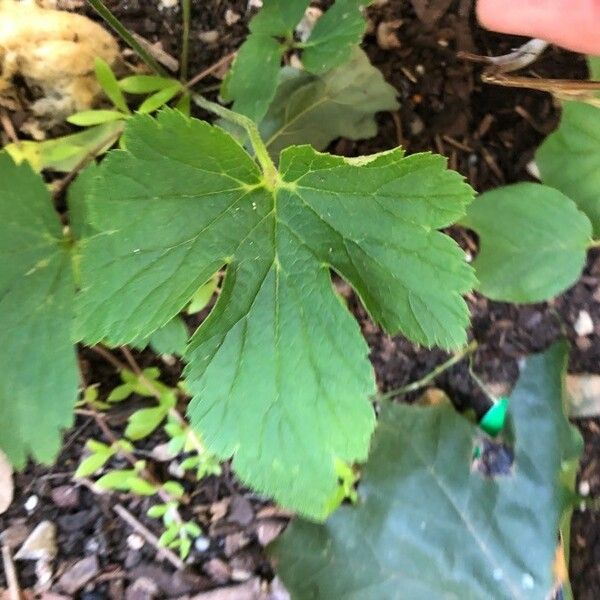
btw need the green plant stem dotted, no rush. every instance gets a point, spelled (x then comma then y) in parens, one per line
(126, 36)
(186, 9)
(594, 244)
(420, 383)
(260, 150)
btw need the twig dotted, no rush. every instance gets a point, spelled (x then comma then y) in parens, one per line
(8, 127)
(162, 552)
(522, 57)
(209, 70)
(420, 383)
(10, 573)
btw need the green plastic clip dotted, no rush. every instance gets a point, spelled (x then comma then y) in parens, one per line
(494, 419)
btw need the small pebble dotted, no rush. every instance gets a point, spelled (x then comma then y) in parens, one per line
(65, 496)
(584, 488)
(231, 17)
(31, 503)
(584, 325)
(209, 37)
(135, 541)
(202, 544)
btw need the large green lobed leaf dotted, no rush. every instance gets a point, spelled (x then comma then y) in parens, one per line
(279, 370)
(533, 242)
(569, 158)
(428, 525)
(38, 383)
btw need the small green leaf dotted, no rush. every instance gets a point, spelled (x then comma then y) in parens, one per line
(190, 463)
(173, 488)
(429, 523)
(533, 242)
(87, 118)
(109, 84)
(116, 480)
(569, 158)
(168, 536)
(97, 447)
(185, 547)
(157, 511)
(159, 99)
(145, 84)
(203, 295)
(140, 486)
(193, 529)
(171, 338)
(63, 154)
(120, 393)
(143, 422)
(334, 36)
(89, 465)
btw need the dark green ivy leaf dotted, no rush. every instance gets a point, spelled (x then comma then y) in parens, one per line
(428, 525)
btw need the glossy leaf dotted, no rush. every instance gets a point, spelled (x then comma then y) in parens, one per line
(279, 369)
(38, 386)
(569, 158)
(533, 242)
(428, 524)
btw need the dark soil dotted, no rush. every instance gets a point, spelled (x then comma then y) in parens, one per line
(489, 134)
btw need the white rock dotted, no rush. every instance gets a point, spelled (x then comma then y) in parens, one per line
(31, 503)
(584, 324)
(135, 541)
(584, 488)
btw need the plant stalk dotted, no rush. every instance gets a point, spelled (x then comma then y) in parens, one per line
(126, 36)
(260, 150)
(420, 383)
(186, 9)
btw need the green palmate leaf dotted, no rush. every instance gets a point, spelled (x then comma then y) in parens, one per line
(38, 386)
(279, 369)
(334, 36)
(318, 109)
(65, 153)
(569, 159)
(428, 525)
(533, 242)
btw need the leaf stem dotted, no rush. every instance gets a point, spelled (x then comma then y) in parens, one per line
(594, 244)
(186, 9)
(262, 154)
(126, 36)
(420, 383)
